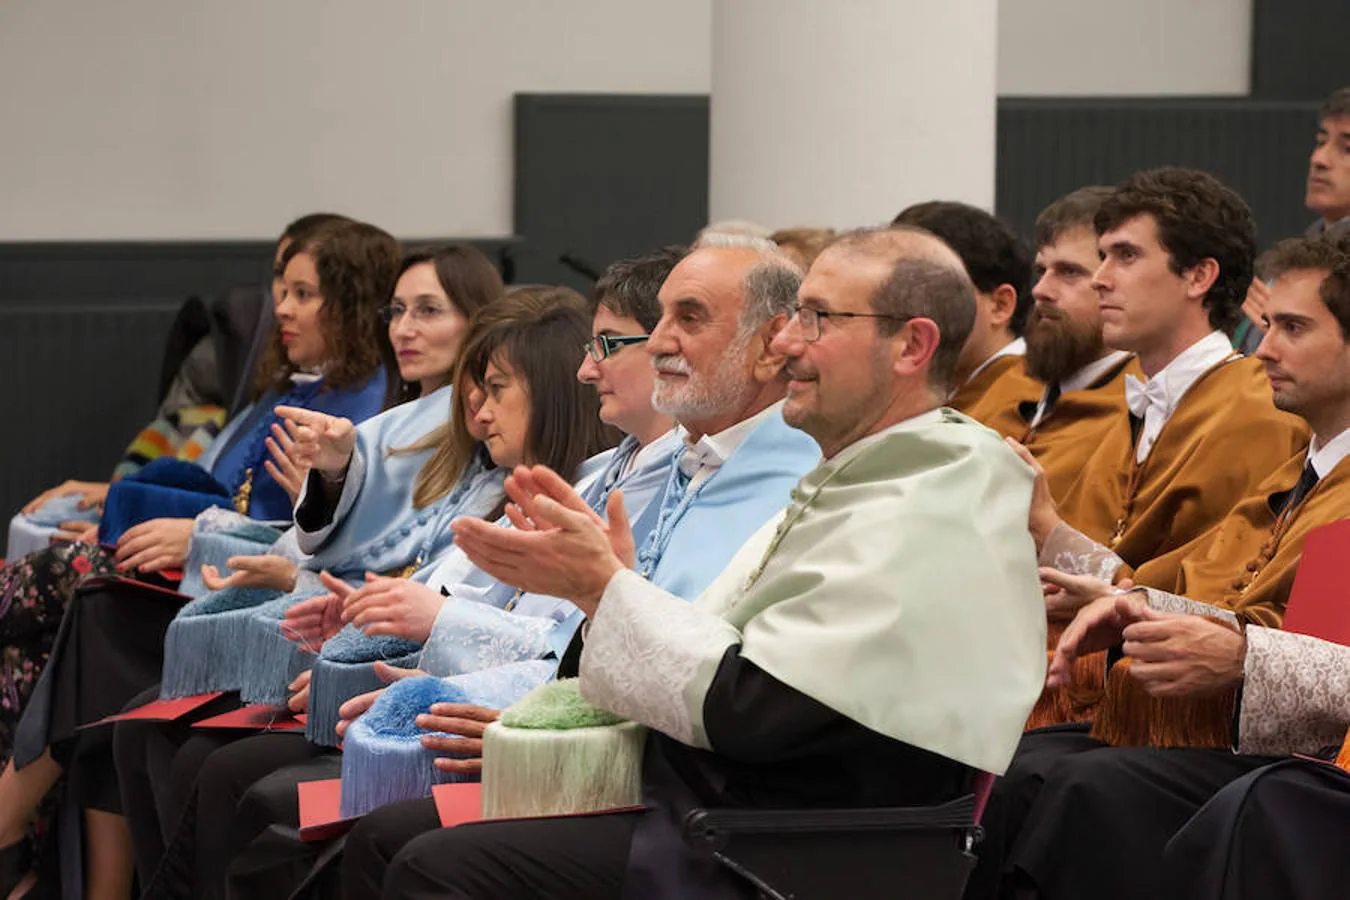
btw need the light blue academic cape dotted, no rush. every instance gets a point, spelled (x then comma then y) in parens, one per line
(697, 541)
(375, 527)
(485, 622)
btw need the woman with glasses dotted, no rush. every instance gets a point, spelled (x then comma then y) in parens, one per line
(437, 293)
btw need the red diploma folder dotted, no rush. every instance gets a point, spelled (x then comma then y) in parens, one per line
(1319, 604)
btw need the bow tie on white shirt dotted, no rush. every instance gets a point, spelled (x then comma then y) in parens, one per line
(1142, 396)
(1151, 403)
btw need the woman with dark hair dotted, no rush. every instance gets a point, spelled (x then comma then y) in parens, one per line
(191, 414)
(34, 589)
(325, 354)
(439, 290)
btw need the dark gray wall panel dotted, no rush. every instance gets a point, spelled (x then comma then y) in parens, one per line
(606, 176)
(1049, 147)
(1300, 48)
(77, 384)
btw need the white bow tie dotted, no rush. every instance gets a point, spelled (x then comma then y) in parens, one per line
(1141, 396)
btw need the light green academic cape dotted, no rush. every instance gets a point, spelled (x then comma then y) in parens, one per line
(899, 588)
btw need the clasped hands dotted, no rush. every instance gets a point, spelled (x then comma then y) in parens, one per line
(558, 546)
(1172, 654)
(451, 727)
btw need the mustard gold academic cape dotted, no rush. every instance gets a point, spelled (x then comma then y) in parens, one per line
(1223, 440)
(1072, 431)
(993, 389)
(997, 404)
(1246, 566)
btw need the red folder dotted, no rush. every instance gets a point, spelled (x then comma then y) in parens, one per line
(160, 710)
(458, 802)
(256, 717)
(320, 805)
(1319, 604)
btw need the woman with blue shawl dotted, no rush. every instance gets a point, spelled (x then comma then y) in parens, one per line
(327, 353)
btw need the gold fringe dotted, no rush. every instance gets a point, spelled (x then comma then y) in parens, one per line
(1131, 717)
(1077, 702)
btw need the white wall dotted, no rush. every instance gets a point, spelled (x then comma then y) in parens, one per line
(823, 119)
(225, 118)
(1137, 47)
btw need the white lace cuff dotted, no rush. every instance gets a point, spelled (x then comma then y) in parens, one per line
(468, 636)
(650, 657)
(1071, 551)
(1164, 602)
(1296, 693)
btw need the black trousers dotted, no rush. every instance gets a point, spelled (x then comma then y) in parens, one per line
(219, 817)
(401, 851)
(1011, 801)
(157, 768)
(260, 853)
(1279, 831)
(1102, 819)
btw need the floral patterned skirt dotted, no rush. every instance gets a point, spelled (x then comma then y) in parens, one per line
(34, 593)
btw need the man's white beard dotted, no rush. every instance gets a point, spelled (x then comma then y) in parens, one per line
(701, 396)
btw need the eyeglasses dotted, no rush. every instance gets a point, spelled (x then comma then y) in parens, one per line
(808, 317)
(421, 313)
(602, 346)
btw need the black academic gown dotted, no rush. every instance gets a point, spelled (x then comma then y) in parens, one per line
(1280, 831)
(773, 748)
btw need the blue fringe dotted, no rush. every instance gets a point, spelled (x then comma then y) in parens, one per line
(274, 659)
(333, 684)
(204, 646)
(383, 760)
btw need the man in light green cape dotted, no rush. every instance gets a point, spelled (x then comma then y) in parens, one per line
(876, 644)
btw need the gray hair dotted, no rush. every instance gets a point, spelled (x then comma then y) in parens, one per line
(770, 289)
(770, 286)
(733, 227)
(725, 240)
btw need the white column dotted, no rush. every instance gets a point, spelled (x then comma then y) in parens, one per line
(842, 112)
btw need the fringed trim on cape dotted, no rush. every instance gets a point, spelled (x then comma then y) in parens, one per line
(1077, 702)
(1131, 717)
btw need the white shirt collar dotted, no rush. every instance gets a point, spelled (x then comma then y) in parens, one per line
(1177, 376)
(1089, 374)
(1083, 378)
(1013, 348)
(1325, 457)
(712, 450)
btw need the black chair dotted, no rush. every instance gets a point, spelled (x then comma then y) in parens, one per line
(910, 852)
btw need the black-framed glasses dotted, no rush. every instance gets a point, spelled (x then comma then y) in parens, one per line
(808, 317)
(602, 345)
